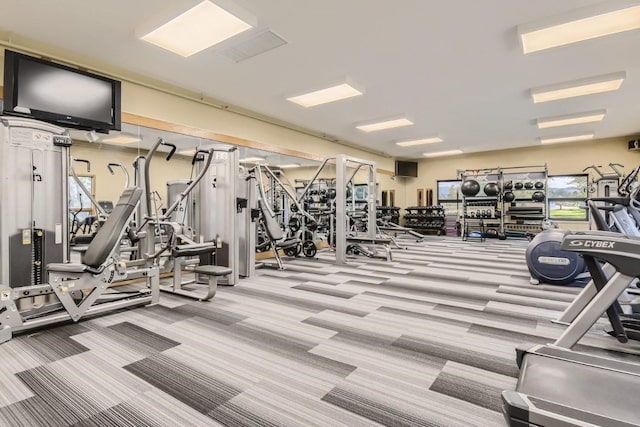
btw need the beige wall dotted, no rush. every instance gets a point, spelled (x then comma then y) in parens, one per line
(560, 158)
(565, 158)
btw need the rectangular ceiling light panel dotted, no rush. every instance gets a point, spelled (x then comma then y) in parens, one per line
(571, 119)
(204, 25)
(602, 19)
(588, 86)
(443, 153)
(386, 124)
(324, 96)
(289, 166)
(570, 138)
(415, 142)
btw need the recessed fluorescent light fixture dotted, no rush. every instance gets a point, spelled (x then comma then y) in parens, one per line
(571, 138)
(384, 124)
(443, 153)
(597, 20)
(202, 26)
(324, 96)
(290, 166)
(571, 119)
(588, 86)
(252, 160)
(122, 139)
(419, 142)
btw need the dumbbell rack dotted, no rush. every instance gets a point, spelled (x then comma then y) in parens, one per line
(388, 211)
(430, 219)
(520, 218)
(482, 212)
(523, 216)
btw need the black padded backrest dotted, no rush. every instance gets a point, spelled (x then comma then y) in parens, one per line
(272, 228)
(598, 216)
(111, 231)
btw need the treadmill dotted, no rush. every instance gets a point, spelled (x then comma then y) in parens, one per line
(624, 326)
(561, 387)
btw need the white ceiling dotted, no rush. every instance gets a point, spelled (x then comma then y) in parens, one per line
(453, 67)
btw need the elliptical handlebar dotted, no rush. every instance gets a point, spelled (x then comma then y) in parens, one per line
(624, 189)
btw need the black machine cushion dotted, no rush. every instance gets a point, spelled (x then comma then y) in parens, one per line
(193, 250)
(110, 233)
(212, 270)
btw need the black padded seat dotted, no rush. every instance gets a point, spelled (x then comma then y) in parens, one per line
(193, 250)
(67, 268)
(213, 270)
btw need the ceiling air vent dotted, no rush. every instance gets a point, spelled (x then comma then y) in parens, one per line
(259, 43)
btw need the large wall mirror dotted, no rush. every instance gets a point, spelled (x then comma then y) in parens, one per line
(108, 159)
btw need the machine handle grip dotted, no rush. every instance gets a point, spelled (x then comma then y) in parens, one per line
(84, 161)
(109, 166)
(173, 149)
(195, 156)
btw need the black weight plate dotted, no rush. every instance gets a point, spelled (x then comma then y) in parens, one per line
(309, 249)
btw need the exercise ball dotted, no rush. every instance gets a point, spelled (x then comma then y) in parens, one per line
(547, 263)
(539, 185)
(518, 186)
(508, 185)
(491, 233)
(528, 185)
(491, 189)
(509, 197)
(537, 196)
(470, 187)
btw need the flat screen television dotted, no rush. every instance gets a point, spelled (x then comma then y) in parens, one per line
(406, 169)
(58, 94)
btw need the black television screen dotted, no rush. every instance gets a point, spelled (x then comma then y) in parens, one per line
(408, 169)
(55, 93)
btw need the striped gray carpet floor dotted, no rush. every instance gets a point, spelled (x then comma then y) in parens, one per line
(425, 340)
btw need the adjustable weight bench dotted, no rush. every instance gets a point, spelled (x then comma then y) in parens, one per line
(354, 245)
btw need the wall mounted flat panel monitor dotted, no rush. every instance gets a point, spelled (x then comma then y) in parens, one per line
(58, 94)
(407, 169)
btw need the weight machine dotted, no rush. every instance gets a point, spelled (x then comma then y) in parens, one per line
(39, 285)
(343, 237)
(606, 183)
(299, 221)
